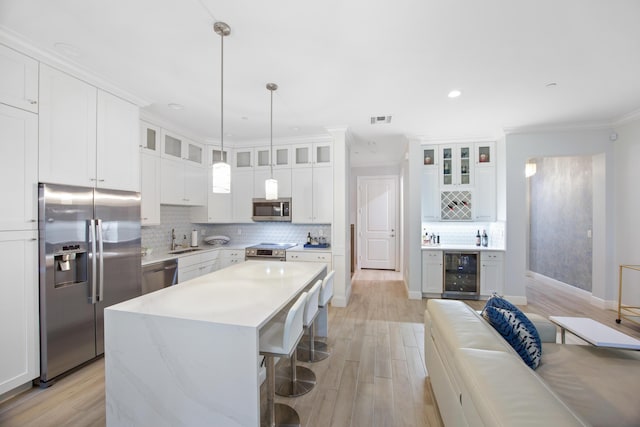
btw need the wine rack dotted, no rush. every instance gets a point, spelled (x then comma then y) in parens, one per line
(455, 206)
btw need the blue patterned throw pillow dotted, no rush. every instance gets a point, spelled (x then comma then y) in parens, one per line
(516, 329)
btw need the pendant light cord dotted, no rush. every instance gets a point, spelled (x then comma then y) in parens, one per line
(271, 135)
(222, 97)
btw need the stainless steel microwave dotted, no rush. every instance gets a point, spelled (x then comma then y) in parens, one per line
(272, 210)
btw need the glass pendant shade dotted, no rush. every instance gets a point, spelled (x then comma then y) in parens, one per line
(221, 178)
(271, 189)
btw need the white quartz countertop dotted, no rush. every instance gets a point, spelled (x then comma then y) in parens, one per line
(474, 248)
(300, 248)
(247, 294)
(165, 255)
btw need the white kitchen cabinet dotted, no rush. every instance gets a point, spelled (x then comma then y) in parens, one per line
(491, 272)
(432, 272)
(485, 154)
(312, 154)
(283, 176)
(242, 195)
(150, 178)
(176, 147)
(243, 158)
(19, 82)
(311, 255)
(87, 137)
(150, 138)
(18, 169)
(484, 195)
(312, 195)
(262, 156)
(182, 183)
(456, 165)
(198, 264)
(430, 189)
(230, 257)
(118, 154)
(282, 156)
(19, 309)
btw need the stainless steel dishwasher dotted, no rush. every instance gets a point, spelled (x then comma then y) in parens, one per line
(159, 275)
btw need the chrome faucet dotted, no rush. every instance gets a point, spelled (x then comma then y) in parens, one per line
(173, 239)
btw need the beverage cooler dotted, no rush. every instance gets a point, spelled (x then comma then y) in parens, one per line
(461, 275)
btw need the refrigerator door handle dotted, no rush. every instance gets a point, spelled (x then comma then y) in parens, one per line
(101, 251)
(94, 272)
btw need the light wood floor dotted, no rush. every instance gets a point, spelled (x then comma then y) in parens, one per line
(374, 377)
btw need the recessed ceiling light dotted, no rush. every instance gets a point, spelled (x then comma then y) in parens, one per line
(68, 49)
(175, 106)
(454, 93)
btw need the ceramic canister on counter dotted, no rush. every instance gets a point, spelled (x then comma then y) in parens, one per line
(194, 238)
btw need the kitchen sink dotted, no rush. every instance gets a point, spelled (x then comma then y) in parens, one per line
(184, 251)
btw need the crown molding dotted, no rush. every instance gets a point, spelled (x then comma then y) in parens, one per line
(19, 43)
(559, 127)
(430, 139)
(631, 117)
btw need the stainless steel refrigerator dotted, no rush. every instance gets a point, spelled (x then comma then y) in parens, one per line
(89, 260)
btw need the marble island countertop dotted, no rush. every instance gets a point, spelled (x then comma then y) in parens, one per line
(448, 247)
(246, 294)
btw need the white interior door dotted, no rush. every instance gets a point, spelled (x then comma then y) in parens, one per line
(378, 207)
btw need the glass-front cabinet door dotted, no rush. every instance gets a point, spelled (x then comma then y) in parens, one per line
(150, 137)
(456, 165)
(281, 157)
(263, 157)
(485, 154)
(243, 158)
(218, 155)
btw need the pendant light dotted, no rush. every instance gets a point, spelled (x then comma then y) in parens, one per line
(271, 185)
(221, 170)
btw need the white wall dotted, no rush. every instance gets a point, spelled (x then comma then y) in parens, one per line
(627, 195)
(519, 148)
(411, 170)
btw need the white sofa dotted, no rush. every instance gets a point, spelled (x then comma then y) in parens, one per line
(477, 378)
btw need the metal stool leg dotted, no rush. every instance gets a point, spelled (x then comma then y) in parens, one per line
(294, 380)
(315, 351)
(278, 414)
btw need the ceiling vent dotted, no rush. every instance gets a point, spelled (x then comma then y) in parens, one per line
(375, 120)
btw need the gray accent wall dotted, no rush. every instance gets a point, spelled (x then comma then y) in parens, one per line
(561, 215)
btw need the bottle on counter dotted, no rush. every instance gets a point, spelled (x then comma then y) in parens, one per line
(478, 238)
(438, 239)
(485, 238)
(309, 238)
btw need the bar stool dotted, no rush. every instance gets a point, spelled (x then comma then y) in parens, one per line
(316, 351)
(279, 339)
(298, 380)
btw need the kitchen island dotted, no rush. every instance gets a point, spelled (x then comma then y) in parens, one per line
(188, 354)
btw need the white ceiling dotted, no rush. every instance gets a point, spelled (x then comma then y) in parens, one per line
(339, 62)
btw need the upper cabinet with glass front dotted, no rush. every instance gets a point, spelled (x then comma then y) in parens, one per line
(262, 156)
(312, 154)
(282, 156)
(485, 154)
(177, 147)
(149, 137)
(243, 158)
(456, 165)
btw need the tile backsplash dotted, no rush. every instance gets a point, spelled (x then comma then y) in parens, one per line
(177, 217)
(464, 233)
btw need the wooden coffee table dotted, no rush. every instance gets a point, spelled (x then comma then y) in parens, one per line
(595, 333)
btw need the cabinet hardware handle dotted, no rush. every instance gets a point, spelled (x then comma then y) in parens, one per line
(33, 220)
(101, 180)
(33, 239)
(145, 219)
(32, 101)
(92, 179)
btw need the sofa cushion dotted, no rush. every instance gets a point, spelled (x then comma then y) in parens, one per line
(518, 331)
(459, 326)
(504, 392)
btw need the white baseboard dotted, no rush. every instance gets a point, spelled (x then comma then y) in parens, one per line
(573, 291)
(339, 301)
(414, 294)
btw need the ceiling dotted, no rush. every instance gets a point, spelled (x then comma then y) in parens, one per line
(339, 62)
